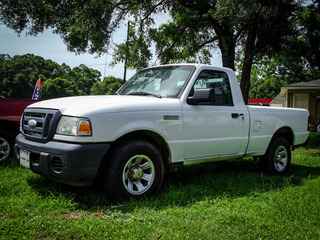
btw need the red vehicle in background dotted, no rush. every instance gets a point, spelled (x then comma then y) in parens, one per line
(10, 114)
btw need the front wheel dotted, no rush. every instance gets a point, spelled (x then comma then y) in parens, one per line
(278, 156)
(135, 170)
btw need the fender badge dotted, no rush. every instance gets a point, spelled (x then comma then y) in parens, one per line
(32, 123)
(171, 117)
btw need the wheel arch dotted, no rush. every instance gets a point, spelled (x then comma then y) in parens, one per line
(265, 160)
(154, 138)
(286, 133)
(9, 126)
(8, 132)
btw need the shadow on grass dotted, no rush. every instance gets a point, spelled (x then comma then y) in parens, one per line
(185, 186)
(10, 163)
(314, 141)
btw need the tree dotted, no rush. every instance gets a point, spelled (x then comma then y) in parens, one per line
(267, 78)
(83, 25)
(199, 26)
(107, 87)
(19, 74)
(135, 52)
(76, 82)
(270, 74)
(300, 53)
(83, 77)
(296, 60)
(249, 26)
(58, 87)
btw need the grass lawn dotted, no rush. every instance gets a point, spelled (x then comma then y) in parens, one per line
(228, 200)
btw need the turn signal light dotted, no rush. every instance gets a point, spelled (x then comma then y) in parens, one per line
(84, 128)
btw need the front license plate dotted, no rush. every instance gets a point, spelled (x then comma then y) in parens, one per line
(25, 158)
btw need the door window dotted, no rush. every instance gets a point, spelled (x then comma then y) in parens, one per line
(218, 81)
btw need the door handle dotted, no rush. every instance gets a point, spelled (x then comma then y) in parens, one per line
(236, 115)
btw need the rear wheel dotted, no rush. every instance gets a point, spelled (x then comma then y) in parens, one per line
(278, 156)
(135, 170)
(6, 145)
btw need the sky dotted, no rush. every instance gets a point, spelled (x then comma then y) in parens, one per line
(51, 46)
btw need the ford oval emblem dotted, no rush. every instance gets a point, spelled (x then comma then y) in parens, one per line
(32, 123)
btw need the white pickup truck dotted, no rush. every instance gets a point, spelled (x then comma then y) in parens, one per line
(163, 116)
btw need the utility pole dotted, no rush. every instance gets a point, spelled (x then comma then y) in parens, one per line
(126, 57)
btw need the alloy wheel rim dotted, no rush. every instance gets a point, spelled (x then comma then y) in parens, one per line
(281, 158)
(4, 149)
(138, 174)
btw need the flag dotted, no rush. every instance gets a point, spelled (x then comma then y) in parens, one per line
(37, 89)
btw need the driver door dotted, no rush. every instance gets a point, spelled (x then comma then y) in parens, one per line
(215, 128)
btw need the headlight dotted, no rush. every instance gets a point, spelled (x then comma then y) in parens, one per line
(74, 126)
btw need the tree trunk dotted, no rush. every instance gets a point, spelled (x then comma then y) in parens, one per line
(247, 65)
(227, 47)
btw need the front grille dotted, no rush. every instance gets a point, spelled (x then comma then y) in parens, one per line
(40, 124)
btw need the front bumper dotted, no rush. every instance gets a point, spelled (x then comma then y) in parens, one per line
(74, 164)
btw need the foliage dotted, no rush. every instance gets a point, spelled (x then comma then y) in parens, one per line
(107, 87)
(58, 87)
(135, 52)
(18, 75)
(83, 77)
(277, 29)
(198, 27)
(301, 50)
(296, 60)
(267, 78)
(185, 39)
(227, 200)
(83, 25)
(269, 75)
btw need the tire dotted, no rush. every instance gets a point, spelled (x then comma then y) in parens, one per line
(135, 170)
(278, 156)
(6, 145)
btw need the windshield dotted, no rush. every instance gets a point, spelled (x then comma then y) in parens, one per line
(159, 81)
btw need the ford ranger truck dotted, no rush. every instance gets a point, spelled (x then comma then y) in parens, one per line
(163, 116)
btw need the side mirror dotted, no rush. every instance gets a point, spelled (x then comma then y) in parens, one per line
(202, 95)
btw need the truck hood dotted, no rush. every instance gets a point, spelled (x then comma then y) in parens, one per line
(88, 105)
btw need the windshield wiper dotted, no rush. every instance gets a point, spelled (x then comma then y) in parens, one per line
(145, 94)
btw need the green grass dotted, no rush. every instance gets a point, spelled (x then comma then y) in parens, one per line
(227, 200)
